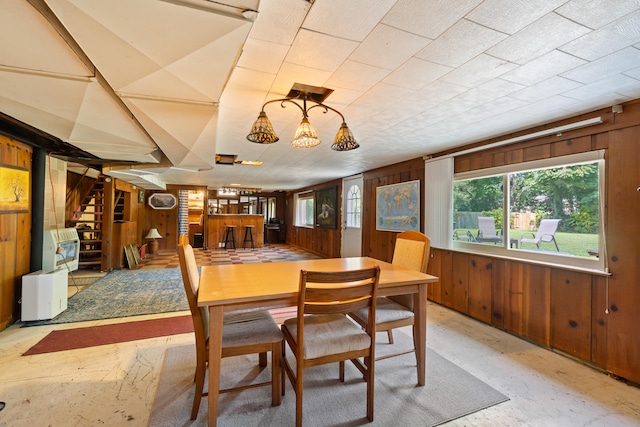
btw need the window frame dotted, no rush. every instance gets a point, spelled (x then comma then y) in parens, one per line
(300, 214)
(598, 264)
(354, 207)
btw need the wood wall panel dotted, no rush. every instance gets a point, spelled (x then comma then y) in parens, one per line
(513, 299)
(498, 293)
(571, 312)
(446, 278)
(434, 291)
(460, 282)
(623, 226)
(480, 278)
(571, 146)
(599, 321)
(15, 238)
(536, 303)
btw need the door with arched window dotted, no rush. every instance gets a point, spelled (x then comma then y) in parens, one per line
(352, 216)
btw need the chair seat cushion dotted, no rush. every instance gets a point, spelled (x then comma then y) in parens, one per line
(250, 328)
(326, 334)
(386, 311)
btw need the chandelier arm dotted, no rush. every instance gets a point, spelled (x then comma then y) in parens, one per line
(282, 101)
(327, 108)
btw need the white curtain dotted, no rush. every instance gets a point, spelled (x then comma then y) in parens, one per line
(438, 201)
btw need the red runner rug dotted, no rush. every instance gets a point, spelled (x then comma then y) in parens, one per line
(71, 339)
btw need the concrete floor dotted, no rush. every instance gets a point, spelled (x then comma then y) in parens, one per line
(115, 384)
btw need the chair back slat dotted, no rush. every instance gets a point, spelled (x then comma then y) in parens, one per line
(337, 292)
(191, 282)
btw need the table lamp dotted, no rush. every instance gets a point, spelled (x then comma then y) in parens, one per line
(153, 244)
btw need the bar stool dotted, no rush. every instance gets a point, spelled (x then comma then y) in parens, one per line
(248, 236)
(230, 236)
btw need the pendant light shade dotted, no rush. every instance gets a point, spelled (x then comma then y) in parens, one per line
(262, 131)
(344, 140)
(306, 136)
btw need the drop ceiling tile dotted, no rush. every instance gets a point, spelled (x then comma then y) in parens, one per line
(388, 47)
(460, 43)
(320, 51)
(495, 108)
(546, 88)
(416, 73)
(357, 76)
(295, 73)
(440, 91)
(595, 14)
(479, 70)
(279, 20)
(543, 67)
(428, 18)
(542, 36)
(617, 62)
(623, 85)
(548, 105)
(262, 56)
(510, 16)
(610, 38)
(355, 21)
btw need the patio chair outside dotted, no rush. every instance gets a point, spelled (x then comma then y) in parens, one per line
(487, 230)
(546, 233)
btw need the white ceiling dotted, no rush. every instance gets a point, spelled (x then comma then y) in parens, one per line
(169, 83)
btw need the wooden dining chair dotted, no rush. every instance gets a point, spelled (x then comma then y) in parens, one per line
(243, 333)
(322, 333)
(412, 252)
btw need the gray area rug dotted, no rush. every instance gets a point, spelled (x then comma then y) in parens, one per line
(450, 393)
(123, 293)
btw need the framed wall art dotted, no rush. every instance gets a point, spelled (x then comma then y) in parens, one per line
(14, 190)
(162, 201)
(326, 208)
(398, 207)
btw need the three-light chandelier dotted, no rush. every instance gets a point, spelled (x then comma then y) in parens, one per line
(262, 131)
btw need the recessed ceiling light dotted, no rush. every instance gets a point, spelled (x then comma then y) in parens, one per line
(250, 162)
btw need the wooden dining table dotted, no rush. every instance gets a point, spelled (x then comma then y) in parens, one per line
(247, 287)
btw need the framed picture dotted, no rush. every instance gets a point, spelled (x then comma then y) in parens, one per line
(130, 257)
(326, 207)
(14, 189)
(162, 201)
(398, 207)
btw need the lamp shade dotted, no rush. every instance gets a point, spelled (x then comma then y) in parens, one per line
(306, 136)
(344, 139)
(153, 234)
(262, 131)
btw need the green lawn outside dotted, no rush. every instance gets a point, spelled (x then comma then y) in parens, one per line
(573, 243)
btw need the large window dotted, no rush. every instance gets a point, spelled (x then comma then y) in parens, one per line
(304, 213)
(548, 210)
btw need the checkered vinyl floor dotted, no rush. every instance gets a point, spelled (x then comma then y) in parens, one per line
(268, 253)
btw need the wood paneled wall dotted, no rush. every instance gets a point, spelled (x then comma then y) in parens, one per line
(557, 307)
(324, 242)
(15, 238)
(380, 244)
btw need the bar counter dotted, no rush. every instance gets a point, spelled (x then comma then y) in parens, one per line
(217, 226)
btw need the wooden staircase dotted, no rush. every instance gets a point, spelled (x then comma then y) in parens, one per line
(88, 220)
